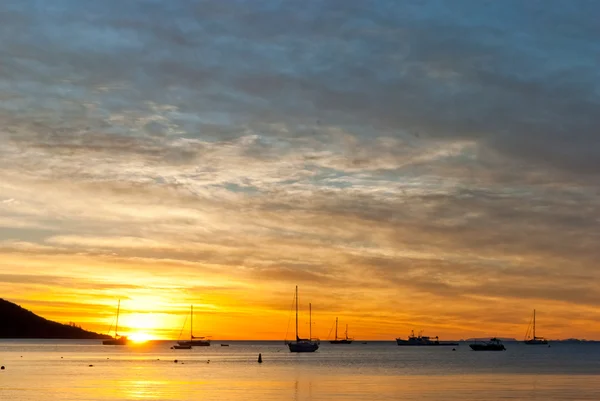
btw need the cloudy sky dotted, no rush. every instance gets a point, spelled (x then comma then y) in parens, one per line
(417, 165)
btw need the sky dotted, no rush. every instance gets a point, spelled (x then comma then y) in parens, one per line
(426, 165)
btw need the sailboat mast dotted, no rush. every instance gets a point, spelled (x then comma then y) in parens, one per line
(117, 324)
(309, 321)
(534, 323)
(336, 324)
(346, 332)
(191, 322)
(297, 314)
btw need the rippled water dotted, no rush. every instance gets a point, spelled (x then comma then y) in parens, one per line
(59, 370)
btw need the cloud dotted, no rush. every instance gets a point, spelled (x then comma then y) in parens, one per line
(443, 150)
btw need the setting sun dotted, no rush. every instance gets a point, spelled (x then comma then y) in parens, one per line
(140, 337)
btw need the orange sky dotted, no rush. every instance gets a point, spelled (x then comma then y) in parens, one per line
(155, 303)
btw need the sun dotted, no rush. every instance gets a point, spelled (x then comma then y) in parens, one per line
(140, 337)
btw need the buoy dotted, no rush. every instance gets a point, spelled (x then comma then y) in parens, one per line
(175, 361)
(91, 366)
(259, 358)
(208, 361)
(2, 367)
(453, 349)
(61, 357)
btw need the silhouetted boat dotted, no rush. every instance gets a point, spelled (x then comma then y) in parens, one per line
(534, 340)
(117, 340)
(337, 340)
(303, 344)
(185, 344)
(493, 345)
(194, 341)
(421, 340)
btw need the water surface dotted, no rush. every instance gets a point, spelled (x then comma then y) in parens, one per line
(59, 370)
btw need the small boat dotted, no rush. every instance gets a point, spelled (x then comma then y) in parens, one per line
(117, 339)
(224, 345)
(422, 340)
(364, 342)
(194, 341)
(493, 345)
(200, 342)
(337, 340)
(303, 344)
(533, 340)
(184, 344)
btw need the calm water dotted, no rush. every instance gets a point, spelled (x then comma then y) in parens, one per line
(59, 370)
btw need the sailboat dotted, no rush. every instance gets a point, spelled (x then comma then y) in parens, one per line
(303, 344)
(188, 344)
(340, 340)
(194, 341)
(117, 339)
(534, 340)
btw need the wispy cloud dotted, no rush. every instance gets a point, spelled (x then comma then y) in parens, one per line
(430, 152)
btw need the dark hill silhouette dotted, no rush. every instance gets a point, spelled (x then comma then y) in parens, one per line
(18, 322)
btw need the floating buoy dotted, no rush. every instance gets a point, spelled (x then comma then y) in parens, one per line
(259, 358)
(91, 366)
(175, 361)
(2, 367)
(453, 349)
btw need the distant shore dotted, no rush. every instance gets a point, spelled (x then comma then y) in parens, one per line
(23, 324)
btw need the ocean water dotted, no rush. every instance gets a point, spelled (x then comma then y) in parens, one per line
(59, 370)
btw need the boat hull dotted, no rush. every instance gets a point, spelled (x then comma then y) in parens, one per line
(195, 343)
(407, 344)
(182, 347)
(303, 346)
(340, 342)
(115, 341)
(487, 347)
(536, 342)
(402, 342)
